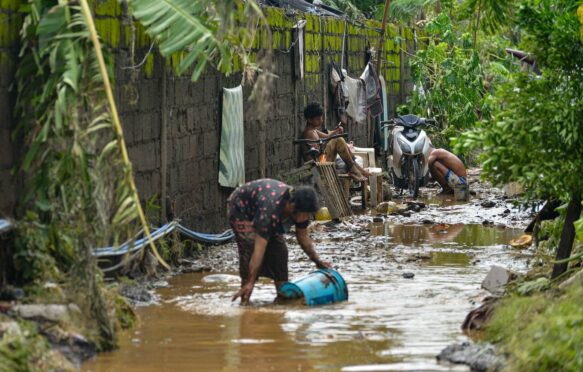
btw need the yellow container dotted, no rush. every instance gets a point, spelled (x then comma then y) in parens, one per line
(323, 214)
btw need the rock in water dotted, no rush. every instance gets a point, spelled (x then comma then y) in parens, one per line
(497, 278)
(488, 203)
(387, 207)
(136, 293)
(479, 357)
(479, 317)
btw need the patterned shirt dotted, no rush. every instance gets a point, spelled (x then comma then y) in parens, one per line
(262, 202)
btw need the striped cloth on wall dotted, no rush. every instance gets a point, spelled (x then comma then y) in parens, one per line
(232, 156)
(385, 115)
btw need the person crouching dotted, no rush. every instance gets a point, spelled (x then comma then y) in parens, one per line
(260, 212)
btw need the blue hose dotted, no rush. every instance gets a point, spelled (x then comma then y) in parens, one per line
(137, 244)
(160, 233)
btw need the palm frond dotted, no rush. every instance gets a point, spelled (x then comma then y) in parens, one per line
(204, 30)
(407, 9)
(346, 6)
(492, 13)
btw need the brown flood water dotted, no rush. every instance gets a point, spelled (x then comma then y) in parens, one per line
(389, 323)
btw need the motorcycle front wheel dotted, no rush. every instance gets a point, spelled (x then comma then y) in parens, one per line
(414, 177)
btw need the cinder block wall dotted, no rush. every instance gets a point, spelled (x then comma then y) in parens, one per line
(10, 24)
(153, 101)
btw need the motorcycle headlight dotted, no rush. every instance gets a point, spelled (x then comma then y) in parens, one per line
(419, 146)
(403, 144)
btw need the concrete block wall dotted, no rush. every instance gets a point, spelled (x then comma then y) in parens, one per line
(162, 111)
(10, 24)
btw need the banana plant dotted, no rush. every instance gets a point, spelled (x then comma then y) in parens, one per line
(73, 162)
(79, 192)
(215, 32)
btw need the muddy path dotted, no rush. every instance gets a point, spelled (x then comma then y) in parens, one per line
(411, 279)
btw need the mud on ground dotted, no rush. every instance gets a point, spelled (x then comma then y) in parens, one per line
(439, 215)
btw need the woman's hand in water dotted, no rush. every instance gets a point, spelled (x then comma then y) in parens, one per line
(244, 293)
(323, 264)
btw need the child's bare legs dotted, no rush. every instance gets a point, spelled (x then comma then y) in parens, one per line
(339, 146)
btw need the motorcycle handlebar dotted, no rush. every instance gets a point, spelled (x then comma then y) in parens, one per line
(387, 123)
(298, 141)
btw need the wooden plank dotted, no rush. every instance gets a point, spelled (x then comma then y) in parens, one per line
(332, 190)
(338, 190)
(299, 176)
(364, 190)
(373, 190)
(324, 178)
(334, 187)
(322, 169)
(322, 186)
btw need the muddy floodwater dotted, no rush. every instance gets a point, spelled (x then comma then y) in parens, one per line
(388, 323)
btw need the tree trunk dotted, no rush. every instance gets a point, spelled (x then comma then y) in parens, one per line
(477, 24)
(567, 236)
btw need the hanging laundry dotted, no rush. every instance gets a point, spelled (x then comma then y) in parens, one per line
(355, 92)
(300, 26)
(232, 150)
(340, 99)
(373, 89)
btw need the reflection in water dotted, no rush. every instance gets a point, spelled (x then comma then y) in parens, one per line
(389, 323)
(449, 258)
(441, 235)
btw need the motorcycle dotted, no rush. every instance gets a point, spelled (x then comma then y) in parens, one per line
(408, 152)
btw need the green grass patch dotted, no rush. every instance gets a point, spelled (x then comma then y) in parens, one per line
(543, 332)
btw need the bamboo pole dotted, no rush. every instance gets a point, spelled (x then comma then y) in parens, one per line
(120, 139)
(382, 37)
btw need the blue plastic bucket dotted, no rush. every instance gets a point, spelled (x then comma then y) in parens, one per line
(320, 287)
